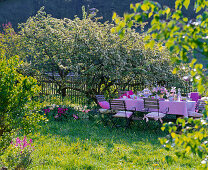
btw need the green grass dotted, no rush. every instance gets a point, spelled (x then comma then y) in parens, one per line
(84, 144)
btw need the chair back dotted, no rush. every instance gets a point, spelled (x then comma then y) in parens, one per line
(152, 104)
(100, 98)
(200, 105)
(117, 105)
(194, 96)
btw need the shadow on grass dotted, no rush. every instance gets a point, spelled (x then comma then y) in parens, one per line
(73, 130)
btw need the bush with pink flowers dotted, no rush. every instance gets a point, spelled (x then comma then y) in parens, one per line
(17, 155)
(60, 113)
(63, 113)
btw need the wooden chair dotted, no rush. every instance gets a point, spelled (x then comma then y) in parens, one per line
(119, 110)
(200, 108)
(100, 98)
(152, 106)
(105, 114)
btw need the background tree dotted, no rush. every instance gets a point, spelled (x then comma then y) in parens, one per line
(88, 49)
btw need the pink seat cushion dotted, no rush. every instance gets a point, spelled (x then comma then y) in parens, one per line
(104, 105)
(195, 96)
(123, 114)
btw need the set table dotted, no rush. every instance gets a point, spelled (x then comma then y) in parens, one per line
(179, 108)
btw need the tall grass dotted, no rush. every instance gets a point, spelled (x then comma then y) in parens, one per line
(84, 144)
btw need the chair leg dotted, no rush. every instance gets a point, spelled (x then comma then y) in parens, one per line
(128, 123)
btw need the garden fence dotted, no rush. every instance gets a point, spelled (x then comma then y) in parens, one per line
(49, 88)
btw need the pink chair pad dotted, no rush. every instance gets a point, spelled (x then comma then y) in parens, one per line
(123, 114)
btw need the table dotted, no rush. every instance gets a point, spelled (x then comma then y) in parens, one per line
(180, 108)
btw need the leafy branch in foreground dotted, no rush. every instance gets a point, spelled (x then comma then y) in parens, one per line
(187, 40)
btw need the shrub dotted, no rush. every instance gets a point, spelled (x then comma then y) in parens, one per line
(18, 112)
(60, 113)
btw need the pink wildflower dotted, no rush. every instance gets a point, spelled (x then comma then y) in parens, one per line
(75, 116)
(87, 110)
(18, 141)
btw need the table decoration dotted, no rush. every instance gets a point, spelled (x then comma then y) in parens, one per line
(160, 92)
(172, 94)
(146, 92)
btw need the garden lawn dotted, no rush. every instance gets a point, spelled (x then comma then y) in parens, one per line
(84, 144)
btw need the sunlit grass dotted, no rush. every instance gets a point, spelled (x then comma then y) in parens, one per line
(82, 144)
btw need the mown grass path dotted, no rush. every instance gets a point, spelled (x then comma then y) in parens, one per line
(83, 144)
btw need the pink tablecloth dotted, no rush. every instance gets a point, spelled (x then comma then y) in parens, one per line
(175, 107)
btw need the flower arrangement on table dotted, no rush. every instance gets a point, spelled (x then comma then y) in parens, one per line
(146, 93)
(162, 92)
(172, 94)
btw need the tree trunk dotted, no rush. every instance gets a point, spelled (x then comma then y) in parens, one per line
(63, 92)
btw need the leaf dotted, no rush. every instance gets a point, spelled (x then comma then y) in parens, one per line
(131, 6)
(185, 19)
(130, 23)
(173, 135)
(151, 43)
(193, 62)
(186, 3)
(174, 128)
(198, 9)
(113, 30)
(167, 11)
(175, 70)
(162, 128)
(114, 16)
(150, 14)
(178, 3)
(188, 148)
(145, 7)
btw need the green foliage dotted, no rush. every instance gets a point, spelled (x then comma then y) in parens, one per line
(8, 41)
(88, 49)
(18, 112)
(187, 137)
(186, 39)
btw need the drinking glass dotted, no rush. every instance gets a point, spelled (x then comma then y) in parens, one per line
(189, 96)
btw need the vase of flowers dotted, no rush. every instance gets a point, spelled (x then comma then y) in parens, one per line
(160, 92)
(146, 92)
(172, 94)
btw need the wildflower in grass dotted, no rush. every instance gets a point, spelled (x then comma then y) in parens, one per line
(75, 116)
(18, 154)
